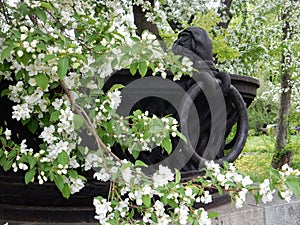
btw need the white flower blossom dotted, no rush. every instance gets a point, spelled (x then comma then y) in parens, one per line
(183, 213)
(47, 134)
(204, 220)
(115, 99)
(127, 175)
(162, 176)
(92, 160)
(265, 191)
(7, 133)
(206, 198)
(56, 148)
(241, 198)
(102, 175)
(102, 208)
(21, 112)
(73, 163)
(76, 185)
(286, 195)
(246, 181)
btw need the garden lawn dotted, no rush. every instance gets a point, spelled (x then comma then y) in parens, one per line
(257, 155)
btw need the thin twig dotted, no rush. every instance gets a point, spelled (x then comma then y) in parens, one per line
(5, 13)
(88, 122)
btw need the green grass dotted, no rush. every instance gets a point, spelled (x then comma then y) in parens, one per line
(257, 155)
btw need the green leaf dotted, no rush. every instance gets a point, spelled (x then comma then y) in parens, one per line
(59, 181)
(181, 136)
(78, 121)
(133, 68)
(42, 80)
(73, 173)
(220, 190)
(99, 48)
(22, 6)
(12, 154)
(140, 163)
(146, 200)
(116, 86)
(293, 185)
(5, 92)
(80, 57)
(7, 164)
(173, 204)
(41, 14)
(143, 68)
(32, 161)
(3, 141)
(63, 67)
(26, 58)
(155, 129)
(167, 145)
(2, 160)
(42, 46)
(177, 176)
(29, 175)
(54, 116)
(66, 191)
(112, 222)
(135, 153)
(51, 176)
(19, 74)
(195, 222)
(16, 33)
(63, 158)
(125, 166)
(46, 5)
(33, 125)
(49, 57)
(213, 214)
(257, 197)
(6, 52)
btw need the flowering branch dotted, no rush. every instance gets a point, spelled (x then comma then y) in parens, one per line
(87, 121)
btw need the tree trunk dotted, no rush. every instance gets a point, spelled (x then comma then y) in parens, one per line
(225, 12)
(141, 22)
(282, 155)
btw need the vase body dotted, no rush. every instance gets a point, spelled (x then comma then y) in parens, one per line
(45, 204)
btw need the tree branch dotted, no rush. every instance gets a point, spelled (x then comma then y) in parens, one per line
(5, 13)
(225, 13)
(141, 22)
(87, 122)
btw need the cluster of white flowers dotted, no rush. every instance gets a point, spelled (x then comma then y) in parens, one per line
(38, 65)
(204, 219)
(92, 160)
(205, 198)
(66, 125)
(18, 164)
(7, 133)
(42, 178)
(102, 175)
(47, 134)
(162, 176)
(103, 207)
(115, 99)
(60, 137)
(231, 177)
(265, 191)
(286, 193)
(75, 184)
(21, 112)
(162, 217)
